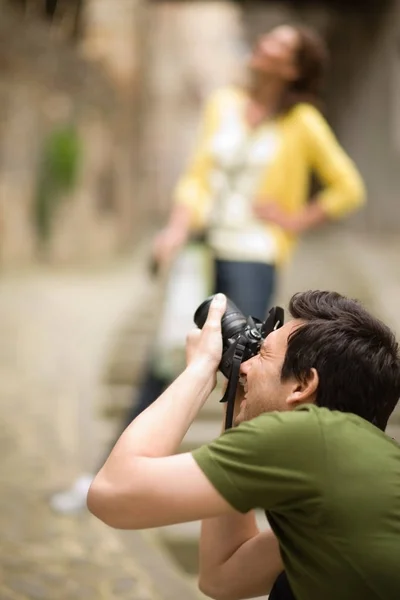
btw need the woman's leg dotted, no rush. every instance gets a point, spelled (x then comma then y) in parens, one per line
(250, 285)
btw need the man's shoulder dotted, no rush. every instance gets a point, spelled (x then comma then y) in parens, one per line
(299, 426)
(318, 424)
(304, 417)
(315, 425)
(350, 431)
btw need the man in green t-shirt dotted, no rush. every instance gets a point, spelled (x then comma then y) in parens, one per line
(309, 449)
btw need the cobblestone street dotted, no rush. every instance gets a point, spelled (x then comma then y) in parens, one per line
(53, 332)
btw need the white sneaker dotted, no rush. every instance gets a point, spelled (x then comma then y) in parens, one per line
(72, 500)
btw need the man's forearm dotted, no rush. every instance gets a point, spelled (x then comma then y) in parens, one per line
(236, 560)
(220, 539)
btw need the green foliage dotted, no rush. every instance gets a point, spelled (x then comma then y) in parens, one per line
(58, 174)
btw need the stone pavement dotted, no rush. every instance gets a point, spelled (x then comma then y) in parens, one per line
(54, 331)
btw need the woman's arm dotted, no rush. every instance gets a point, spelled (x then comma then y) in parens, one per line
(191, 192)
(343, 188)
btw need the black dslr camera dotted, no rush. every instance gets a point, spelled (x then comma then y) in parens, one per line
(242, 338)
(239, 331)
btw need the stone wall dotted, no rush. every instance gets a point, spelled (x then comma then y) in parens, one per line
(365, 105)
(192, 48)
(46, 84)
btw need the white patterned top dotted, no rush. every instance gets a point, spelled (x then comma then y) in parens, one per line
(239, 157)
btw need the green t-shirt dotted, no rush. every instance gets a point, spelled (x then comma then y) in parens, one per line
(330, 483)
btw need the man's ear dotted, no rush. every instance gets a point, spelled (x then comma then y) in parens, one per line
(304, 392)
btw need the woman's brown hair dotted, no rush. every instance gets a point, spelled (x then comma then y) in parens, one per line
(312, 59)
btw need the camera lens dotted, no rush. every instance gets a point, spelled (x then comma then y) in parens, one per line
(232, 321)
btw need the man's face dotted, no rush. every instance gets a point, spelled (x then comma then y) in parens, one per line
(261, 376)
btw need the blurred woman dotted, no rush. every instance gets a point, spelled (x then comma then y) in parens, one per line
(247, 186)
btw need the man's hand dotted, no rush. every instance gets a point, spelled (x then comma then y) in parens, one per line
(204, 346)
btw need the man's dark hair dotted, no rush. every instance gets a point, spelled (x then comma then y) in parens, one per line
(356, 355)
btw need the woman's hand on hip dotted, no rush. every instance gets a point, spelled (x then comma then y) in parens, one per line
(272, 213)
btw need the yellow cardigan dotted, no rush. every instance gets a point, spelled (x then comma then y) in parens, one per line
(307, 144)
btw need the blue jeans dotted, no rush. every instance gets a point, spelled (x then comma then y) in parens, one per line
(250, 285)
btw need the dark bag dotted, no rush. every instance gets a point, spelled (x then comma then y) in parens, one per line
(281, 589)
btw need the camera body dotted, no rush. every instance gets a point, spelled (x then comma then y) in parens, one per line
(241, 336)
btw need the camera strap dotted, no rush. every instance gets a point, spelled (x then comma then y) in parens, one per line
(230, 392)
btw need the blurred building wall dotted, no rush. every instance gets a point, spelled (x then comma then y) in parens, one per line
(48, 83)
(114, 36)
(192, 48)
(365, 105)
(134, 86)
